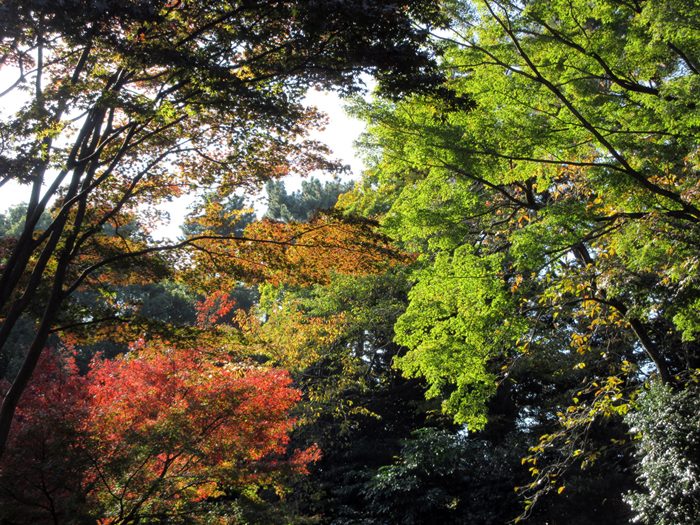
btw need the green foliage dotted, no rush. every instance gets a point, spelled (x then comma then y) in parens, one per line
(442, 477)
(301, 205)
(572, 223)
(12, 221)
(453, 326)
(667, 427)
(550, 190)
(219, 215)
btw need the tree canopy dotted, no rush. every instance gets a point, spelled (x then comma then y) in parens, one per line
(550, 189)
(131, 104)
(497, 323)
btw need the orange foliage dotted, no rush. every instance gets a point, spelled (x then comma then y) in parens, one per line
(297, 253)
(213, 307)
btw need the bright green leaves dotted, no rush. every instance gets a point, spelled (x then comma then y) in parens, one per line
(687, 320)
(430, 213)
(574, 167)
(580, 82)
(555, 214)
(457, 321)
(539, 241)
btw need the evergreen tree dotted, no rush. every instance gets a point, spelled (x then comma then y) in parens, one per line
(301, 205)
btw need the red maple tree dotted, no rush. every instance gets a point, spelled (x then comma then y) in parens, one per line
(150, 434)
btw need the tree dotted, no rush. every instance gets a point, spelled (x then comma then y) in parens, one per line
(335, 339)
(132, 103)
(550, 189)
(42, 473)
(440, 476)
(199, 428)
(12, 222)
(225, 215)
(293, 253)
(666, 424)
(303, 204)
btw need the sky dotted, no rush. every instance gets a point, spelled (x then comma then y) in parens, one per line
(342, 129)
(339, 135)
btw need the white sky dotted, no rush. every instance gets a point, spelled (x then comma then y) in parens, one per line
(339, 135)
